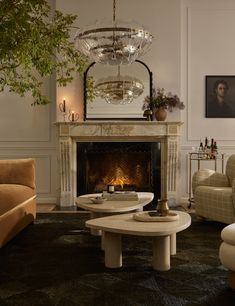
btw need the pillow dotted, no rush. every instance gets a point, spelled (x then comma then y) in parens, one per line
(18, 171)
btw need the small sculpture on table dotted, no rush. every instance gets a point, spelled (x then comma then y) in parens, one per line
(148, 114)
(162, 207)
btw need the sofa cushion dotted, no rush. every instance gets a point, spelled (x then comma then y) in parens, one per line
(18, 171)
(12, 195)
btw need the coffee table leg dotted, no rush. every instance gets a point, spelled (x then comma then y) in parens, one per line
(103, 241)
(93, 231)
(113, 250)
(173, 243)
(161, 253)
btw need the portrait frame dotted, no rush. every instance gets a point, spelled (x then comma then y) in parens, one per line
(214, 108)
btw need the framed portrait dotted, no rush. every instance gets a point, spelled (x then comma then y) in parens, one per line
(220, 96)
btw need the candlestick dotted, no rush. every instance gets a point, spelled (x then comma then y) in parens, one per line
(73, 116)
(62, 106)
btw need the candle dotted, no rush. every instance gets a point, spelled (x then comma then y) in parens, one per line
(64, 106)
(111, 188)
(73, 116)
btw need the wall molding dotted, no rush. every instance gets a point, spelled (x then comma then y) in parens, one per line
(188, 23)
(31, 148)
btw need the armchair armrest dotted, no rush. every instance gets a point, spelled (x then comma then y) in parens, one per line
(208, 177)
(233, 192)
(18, 171)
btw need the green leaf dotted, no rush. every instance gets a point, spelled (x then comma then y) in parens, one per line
(35, 43)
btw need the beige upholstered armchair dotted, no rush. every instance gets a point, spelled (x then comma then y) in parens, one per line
(214, 193)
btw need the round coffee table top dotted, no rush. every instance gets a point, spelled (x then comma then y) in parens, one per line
(126, 224)
(84, 202)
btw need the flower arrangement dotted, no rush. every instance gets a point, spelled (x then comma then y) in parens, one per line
(161, 99)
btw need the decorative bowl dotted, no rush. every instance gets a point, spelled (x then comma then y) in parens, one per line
(98, 200)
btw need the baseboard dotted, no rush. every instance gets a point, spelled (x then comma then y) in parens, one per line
(50, 200)
(184, 200)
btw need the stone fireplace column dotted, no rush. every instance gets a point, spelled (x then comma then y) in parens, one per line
(65, 159)
(170, 167)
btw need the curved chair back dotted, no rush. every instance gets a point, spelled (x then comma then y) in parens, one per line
(230, 168)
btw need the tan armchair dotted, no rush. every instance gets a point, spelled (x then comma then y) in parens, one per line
(214, 193)
(17, 197)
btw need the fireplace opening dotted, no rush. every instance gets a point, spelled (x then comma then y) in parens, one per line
(127, 165)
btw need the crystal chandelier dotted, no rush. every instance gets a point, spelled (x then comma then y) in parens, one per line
(118, 89)
(113, 45)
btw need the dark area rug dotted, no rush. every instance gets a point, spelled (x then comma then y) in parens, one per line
(57, 262)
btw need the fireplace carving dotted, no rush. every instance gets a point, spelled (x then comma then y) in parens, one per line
(167, 134)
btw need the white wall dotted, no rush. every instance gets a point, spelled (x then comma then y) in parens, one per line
(208, 48)
(28, 131)
(193, 38)
(160, 17)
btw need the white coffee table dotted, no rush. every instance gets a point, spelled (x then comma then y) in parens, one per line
(163, 234)
(112, 207)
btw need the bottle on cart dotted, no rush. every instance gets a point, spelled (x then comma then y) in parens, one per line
(215, 148)
(206, 144)
(201, 149)
(212, 143)
(212, 148)
(207, 148)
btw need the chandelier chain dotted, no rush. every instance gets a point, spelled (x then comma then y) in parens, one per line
(114, 11)
(115, 44)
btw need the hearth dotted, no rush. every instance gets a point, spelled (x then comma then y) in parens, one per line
(126, 165)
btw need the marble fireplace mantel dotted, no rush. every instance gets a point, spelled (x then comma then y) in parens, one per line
(167, 133)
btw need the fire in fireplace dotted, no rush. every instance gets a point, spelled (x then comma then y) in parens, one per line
(127, 165)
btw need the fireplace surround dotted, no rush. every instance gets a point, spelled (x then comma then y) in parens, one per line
(167, 134)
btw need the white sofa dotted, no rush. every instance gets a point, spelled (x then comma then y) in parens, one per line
(227, 252)
(214, 193)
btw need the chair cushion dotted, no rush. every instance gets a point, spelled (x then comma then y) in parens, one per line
(208, 177)
(215, 203)
(12, 195)
(18, 171)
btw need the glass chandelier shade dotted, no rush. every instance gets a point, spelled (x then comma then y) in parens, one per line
(113, 44)
(118, 89)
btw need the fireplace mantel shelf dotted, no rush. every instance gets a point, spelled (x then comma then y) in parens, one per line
(119, 129)
(113, 122)
(167, 133)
